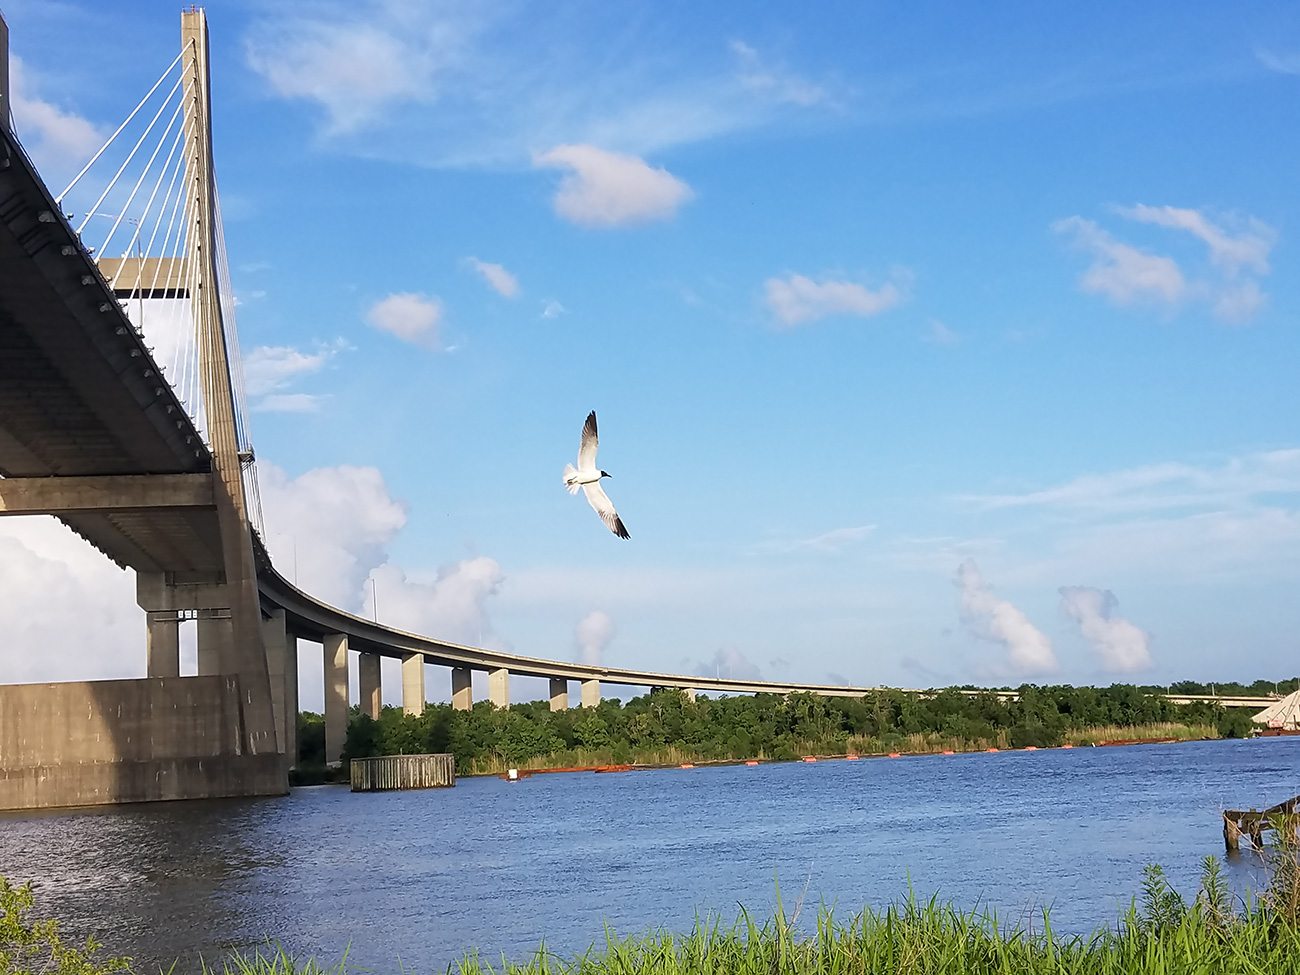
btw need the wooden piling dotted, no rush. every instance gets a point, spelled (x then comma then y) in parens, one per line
(1283, 817)
(385, 773)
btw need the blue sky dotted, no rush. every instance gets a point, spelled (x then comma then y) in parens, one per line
(912, 333)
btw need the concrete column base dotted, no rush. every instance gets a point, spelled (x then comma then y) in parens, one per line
(462, 689)
(336, 696)
(413, 683)
(372, 695)
(499, 687)
(559, 694)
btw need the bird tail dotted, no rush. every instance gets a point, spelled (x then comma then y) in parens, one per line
(571, 479)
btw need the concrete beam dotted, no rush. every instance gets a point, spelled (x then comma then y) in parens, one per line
(413, 683)
(559, 694)
(462, 689)
(499, 687)
(162, 644)
(372, 697)
(590, 693)
(124, 492)
(154, 277)
(336, 696)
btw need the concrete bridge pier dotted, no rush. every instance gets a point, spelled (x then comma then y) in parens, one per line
(336, 696)
(372, 697)
(590, 693)
(462, 689)
(413, 683)
(163, 643)
(499, 687)
(282, 668)
(559, 694)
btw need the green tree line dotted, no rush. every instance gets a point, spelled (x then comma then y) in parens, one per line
(665, 726)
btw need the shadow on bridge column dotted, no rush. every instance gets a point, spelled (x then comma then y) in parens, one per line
(462, 689)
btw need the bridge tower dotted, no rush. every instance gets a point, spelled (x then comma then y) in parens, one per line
(225, 604)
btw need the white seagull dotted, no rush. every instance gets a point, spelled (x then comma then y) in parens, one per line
(587, 476)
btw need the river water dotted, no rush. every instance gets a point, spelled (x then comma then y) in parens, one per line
(423, 877)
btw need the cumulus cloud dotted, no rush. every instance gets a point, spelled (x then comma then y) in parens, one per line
(327, 528)
(498, 278)
(729, 662)
(1121, 646)
(1126, 275)
(611, 189)
(798, 300)
(55, 138)
(1121, 272)
(411, 317)
(66, 611)
(592, 635)
(451, 606)
(998, 621)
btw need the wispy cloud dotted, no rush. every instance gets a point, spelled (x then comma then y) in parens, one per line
(1128, 275)
(1120, 646)
(729, 662)
(497, 277)
(610, 189)
(1157, 487)
(799, 300)
(552, 308)
(937, 333)
(477, 84)
(269, 370)
(1283, 63)
(56, 138)
(986, 616)
(411, 317)
(592, 635)
(834, 541)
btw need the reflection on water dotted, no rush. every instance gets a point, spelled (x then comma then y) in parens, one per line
(425, 876)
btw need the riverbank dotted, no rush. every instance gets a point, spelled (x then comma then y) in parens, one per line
(1164, 935)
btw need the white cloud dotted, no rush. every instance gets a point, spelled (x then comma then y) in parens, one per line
(269, 370)
(611, 189)
(1121, 272)
(452, 606)
(1248, 249)
(1127, 275)
(355, 69)
(498, 278)
(1121, 646)
(833, 541)
(592, 635)
(1167, 486)
(66, 611)
(797, 300)
(1029, 651)
(1281, 63)
(937, 333)
(57, 140)
(411, 317)
(774, 81)
(327, 528)
(552, 309)
(730, 662)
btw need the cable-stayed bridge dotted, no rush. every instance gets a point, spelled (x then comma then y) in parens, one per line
(122, 413)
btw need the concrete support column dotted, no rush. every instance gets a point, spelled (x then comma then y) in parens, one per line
(162, 644)
(216, 631)
(462, 689)
(559, 694)
(499, 687)
(689, 694)
(372, 695)
(282, 669)
(413, 683)
(590, 693)
(336, 696)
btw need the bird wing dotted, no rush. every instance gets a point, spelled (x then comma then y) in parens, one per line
(587, 449)
(599, 500)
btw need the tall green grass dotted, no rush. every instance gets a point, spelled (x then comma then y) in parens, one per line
(1161, 935)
